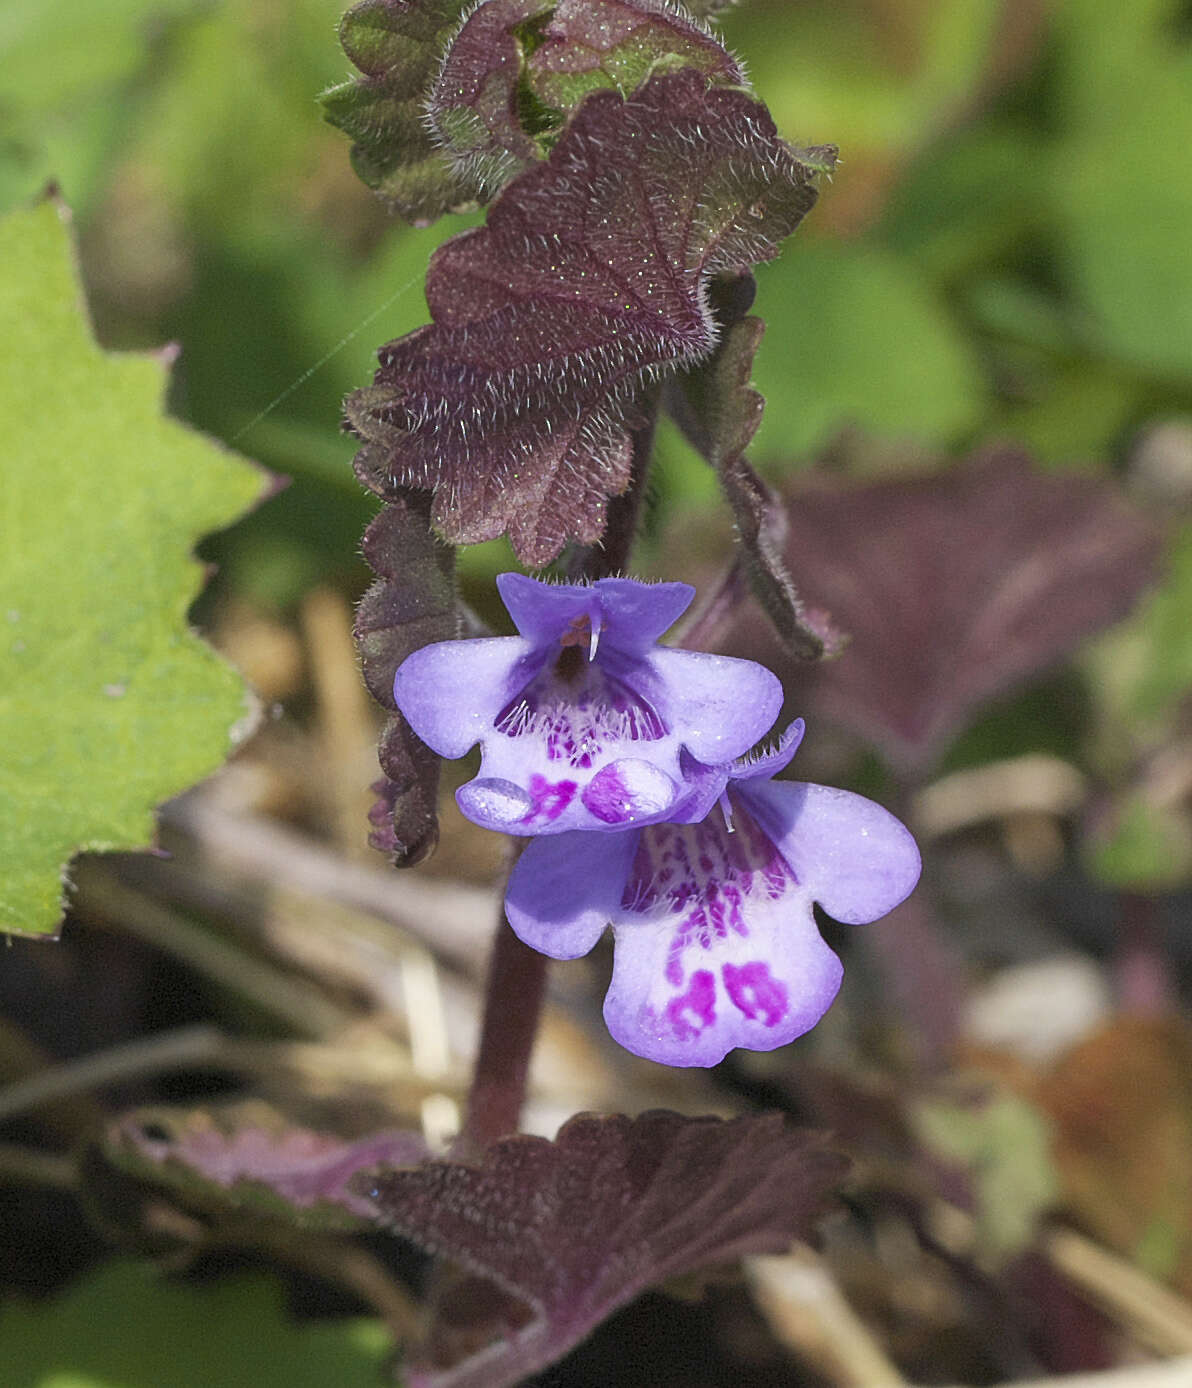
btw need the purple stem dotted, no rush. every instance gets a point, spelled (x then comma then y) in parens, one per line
(512, 1008)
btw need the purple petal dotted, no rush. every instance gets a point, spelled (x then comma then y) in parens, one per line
(851, 855)
(565, 889)
(757, 991)
(452, 692)
(628, 613)
(718, 706)
(716, 948)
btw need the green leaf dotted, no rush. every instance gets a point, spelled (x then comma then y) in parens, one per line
(839, 318)
(1122, 185)
(108, 702)
(1004, 1143)
(66, 86)
(397, 46)
(125, 1327)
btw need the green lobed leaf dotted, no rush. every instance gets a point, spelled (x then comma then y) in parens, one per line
(108, 702)
(123, 1326)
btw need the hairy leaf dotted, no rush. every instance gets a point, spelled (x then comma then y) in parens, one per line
(517, 68)
(250, 1158)
(514, 406)
(617, 43)
(397, 45)
(719, 411)
(954, 587)
(572, 1229)
(411, 605)
(708, 9)
(109, 703)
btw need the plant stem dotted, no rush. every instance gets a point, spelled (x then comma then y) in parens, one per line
(512, 1008)
(517, 974)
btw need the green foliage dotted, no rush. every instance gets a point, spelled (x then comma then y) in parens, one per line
(839, 318)
(874, 78)
(125, 1327)
(109, 703)
(1005, 1143)
(1142, 676)
(1123, 182)
(397, 47)
(66, 129)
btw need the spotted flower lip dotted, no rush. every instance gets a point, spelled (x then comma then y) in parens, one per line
(716, 945)
(584, 721)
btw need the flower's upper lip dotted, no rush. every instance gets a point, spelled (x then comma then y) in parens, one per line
(624, 611)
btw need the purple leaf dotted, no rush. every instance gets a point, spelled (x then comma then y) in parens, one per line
(518, 68)
(473, 103)
(514, 406)
(411, 604)
(571, 1230)
(397, 45)
(249, 1158)
(719, 410)
(955, 586)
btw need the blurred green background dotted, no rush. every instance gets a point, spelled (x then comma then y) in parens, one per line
(1004, 251)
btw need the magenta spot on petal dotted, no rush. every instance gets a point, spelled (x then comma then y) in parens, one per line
(692, 1011)
(548, 798)
(755, 993)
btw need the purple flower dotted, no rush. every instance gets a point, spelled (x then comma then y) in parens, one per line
(716, 943)
(583, 720)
